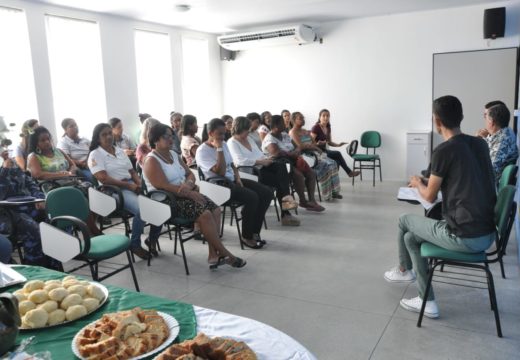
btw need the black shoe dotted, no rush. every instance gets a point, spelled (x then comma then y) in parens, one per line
(198, 236)
(142, 253)
(153, 249)
(259, 239)
(337, 196)
(258, 245)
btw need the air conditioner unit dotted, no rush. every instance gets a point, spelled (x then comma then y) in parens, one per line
(283, 35)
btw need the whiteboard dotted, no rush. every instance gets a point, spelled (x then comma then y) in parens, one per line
(476, 78)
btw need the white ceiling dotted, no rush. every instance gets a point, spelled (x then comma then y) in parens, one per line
(219, 16)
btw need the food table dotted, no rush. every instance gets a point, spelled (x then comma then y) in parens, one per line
(267, 342)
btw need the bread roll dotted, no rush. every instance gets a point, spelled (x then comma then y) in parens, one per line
(25, 306)
(32, 285)
(71, 300)
(95, 292)
(36, 318)
(51, 286)
(49, 306)
(90, 304)
(69, 277)
(56, 317)
(75, 311)
(69, 283)
(58, 294)
(48, 282)
(38, 296)
(20, 295)
(78, 289)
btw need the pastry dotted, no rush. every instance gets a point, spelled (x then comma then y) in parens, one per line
(36, 318)
(75, 312)
(202, 347)
(123, 335)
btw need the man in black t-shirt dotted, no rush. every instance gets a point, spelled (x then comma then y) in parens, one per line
(461, 169)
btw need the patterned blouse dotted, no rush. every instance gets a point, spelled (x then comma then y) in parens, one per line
(56, 163)
(502, 150)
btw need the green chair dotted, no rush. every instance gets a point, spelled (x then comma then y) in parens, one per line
(508, 176)
(68, 211)
(505, 212)
(371, 140)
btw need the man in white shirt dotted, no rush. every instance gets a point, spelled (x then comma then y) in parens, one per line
(75, 146)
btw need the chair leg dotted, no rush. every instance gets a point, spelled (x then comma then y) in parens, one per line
(265, 223)
(427, 292)
(234, 212)
(183, 252)
(502, 268)
(276, 207)
(131, 265)
(169, 231)
(318, 186)
(374, 173)
(493, 299)
(176, 239)
(222, 222)
(380, 173)
(93, 270)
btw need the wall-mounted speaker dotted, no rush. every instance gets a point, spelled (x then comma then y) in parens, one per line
(494, 22)
(227, 54)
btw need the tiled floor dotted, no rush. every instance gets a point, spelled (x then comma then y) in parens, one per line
(322, 283)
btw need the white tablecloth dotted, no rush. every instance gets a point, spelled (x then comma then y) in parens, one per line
(267, 342)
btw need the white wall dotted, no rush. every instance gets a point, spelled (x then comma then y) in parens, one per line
(371, 73)
(119, 66)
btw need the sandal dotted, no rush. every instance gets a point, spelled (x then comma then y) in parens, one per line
(237, 263)
(258, 245)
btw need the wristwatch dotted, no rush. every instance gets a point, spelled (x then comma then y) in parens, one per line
(219, 149)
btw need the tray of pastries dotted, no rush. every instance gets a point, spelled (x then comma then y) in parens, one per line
(202, 347)
(130, 334)
(44, 304)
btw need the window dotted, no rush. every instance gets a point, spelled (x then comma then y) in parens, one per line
(17, 90)
(76, 72)
(154, 74)
(195, 70)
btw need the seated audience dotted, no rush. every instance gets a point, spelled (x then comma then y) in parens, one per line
(499, 136)
(175, 121)
(164, 170)
(286, 115)
(278, 145)
(111, 166)
(321, 133)
(25, 218)
(214, 159)
(265, 124)
(21, 151)
(245, 153)
(254, 118)
(228, 119)
(326, 168)
(189, 141)
(144, 147)
(75, 147)
(45, 162)
(461, 169)
(121, 139)
(6, 248)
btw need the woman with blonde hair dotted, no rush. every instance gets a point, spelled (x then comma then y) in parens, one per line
(144, 146)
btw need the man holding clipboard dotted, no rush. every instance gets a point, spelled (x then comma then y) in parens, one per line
(461, 169)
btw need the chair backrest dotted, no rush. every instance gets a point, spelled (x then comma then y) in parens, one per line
(371, 139)
(67, 201)
(508, 176)
(352, 148)
(505, 213)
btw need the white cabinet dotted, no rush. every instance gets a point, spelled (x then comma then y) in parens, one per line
(417, 152)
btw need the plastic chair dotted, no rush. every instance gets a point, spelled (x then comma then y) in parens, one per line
(369, 140)
(67, 237)
(505, 212)
(508, 176)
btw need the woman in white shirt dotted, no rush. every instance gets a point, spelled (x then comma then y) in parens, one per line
(164, 170)
(189, 141)
(265, 125)
(254, 118)
(214, 159)
(245, 153)
(111, 166)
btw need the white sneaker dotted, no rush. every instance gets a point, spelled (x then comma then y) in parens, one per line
(395, 275)
(431, 310)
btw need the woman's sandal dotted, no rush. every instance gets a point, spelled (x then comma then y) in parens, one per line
(237, 263)
(258, 245)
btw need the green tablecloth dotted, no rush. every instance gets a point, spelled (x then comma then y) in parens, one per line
(58, 339)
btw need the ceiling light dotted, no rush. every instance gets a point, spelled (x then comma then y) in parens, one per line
(182, 7)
